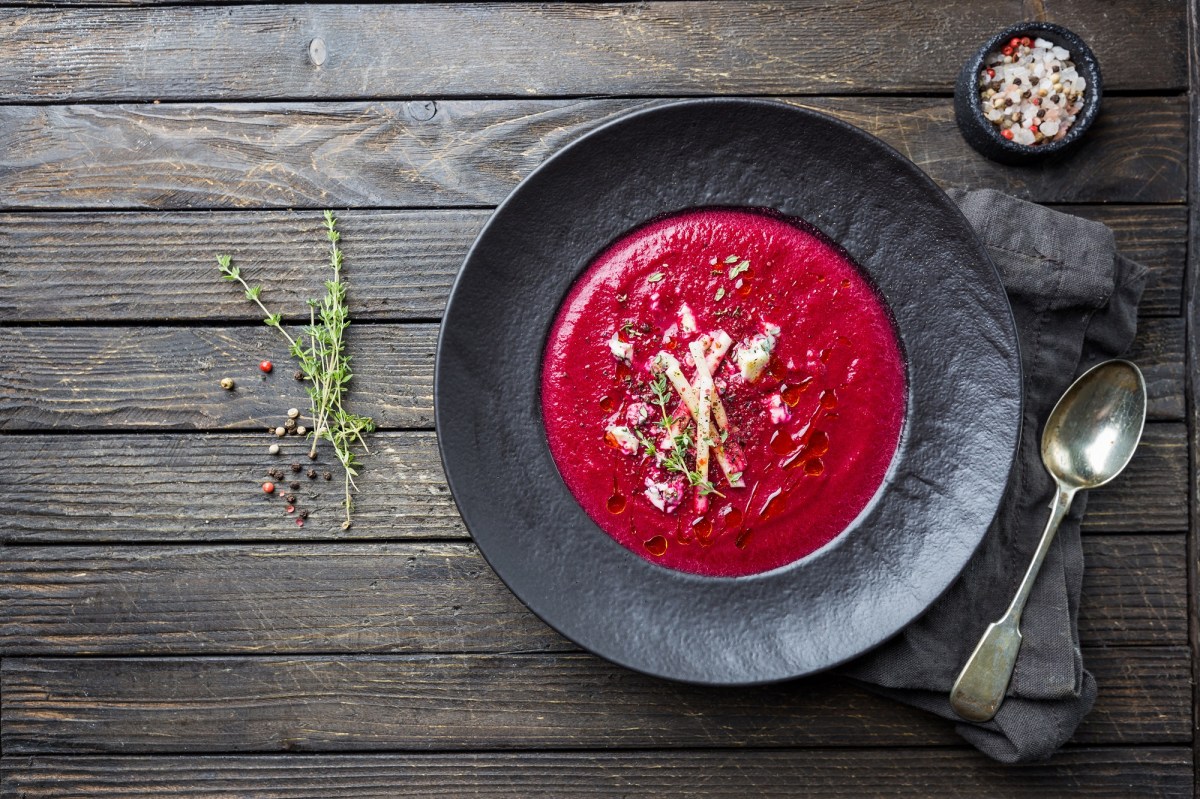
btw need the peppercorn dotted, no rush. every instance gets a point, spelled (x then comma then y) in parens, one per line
(295, 467)
(298, 375)
(281, 431)
(1007, 50)
(303, 514)
(328, 475)
(291, 499)
(273, 449)
(289, 425)
(269, 488)
(312, 474)
(1041, 113)
(227, 383)
(1025, 40)
(293, 413)
(290, 509)
(1054, 98)
(1016, 81)
(1014, 41)
(294, 486)
(301, 429)
(312, 456)
(1008, 134)
(265, 366)
(991, 72)
(1054, 68)
(1034, 80)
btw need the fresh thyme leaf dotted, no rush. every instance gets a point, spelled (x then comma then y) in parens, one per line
(732, 259)
(657, 276)
(720, 293)
(737, 270)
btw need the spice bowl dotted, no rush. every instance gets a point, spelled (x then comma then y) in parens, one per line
(985, 136)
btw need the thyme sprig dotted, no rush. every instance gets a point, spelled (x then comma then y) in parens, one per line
(681, 442)
(324, 364)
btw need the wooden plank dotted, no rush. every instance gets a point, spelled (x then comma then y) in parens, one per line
(168, 378)
(1192, 359)
(57, 267)
(522, 50)
(1158, 350)
(1155, 237)
(464, 702)
(1134, 591)
(1097, 773)
(472, 152)
(406, 598)
(185, 487)
(1146, 495)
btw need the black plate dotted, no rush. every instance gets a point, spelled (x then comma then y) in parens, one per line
(945, 481)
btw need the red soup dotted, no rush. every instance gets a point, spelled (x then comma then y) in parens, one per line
(723, 392)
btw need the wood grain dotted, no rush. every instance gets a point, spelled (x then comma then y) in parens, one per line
(407, 598)
(647, 48)
(190, 488)
(465, 702)
(57, 267)
(473, 152)
(1097, 773)
(168, 378)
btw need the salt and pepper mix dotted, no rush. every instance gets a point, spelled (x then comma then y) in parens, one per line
(1031, 91)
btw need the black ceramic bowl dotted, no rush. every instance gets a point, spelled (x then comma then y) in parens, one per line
(945, 482)
(984, 136)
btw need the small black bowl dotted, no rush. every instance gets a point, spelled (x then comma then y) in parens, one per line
(984, 136)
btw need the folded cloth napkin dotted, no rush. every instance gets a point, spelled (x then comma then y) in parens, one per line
(1075, 303)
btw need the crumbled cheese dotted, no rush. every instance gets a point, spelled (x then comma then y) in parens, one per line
(687, 319)
(621, 350)
(778, 409)
(637, 414)
(622, 438)
(753, 355)
(664, 495)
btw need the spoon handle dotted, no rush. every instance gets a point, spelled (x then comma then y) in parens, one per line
(983, 681)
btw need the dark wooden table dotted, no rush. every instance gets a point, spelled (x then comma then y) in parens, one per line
(165, 629)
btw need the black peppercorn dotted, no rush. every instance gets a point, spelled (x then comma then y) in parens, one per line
(290, 424)
(328, 475)
(312, 456)
(291, 499)
(303, 514)
(1034, 80)
(299, 375)
(1016, 81)
(295, 467)
(312, 474)
(295, 486)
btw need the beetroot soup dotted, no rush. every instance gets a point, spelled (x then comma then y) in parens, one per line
(723, 391)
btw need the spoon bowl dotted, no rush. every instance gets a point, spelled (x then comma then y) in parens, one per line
(1095, 427)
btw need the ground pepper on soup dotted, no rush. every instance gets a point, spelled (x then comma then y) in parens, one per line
(723, 391)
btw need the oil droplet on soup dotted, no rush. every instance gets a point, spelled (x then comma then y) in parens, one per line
(657, 546)
(616, 503)
(829, 399)
(813, 467)
(773, 506)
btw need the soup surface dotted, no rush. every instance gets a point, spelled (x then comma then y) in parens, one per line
(723, 391)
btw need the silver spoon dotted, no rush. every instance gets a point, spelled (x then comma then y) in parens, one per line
(1089, 438)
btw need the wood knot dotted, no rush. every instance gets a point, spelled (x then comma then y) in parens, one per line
(421, 110)
(316, 51)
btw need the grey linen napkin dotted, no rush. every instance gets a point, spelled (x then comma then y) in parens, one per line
(1075, 302)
